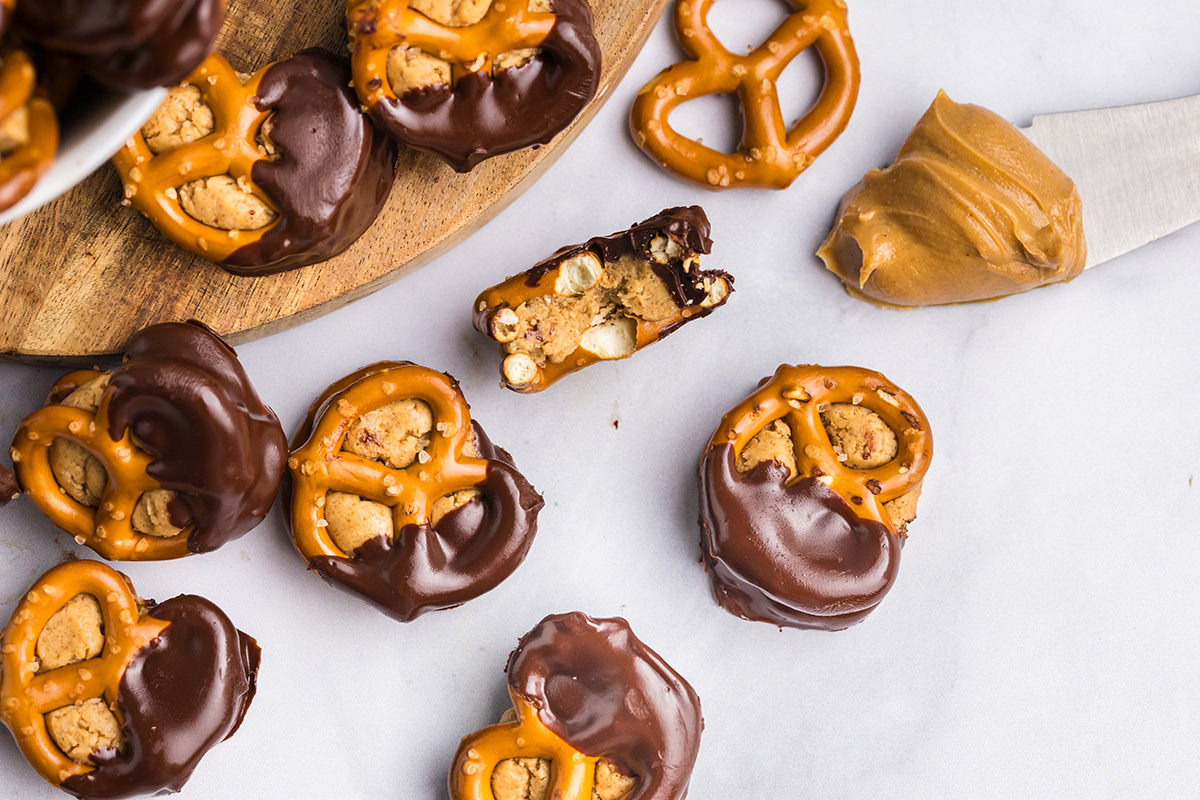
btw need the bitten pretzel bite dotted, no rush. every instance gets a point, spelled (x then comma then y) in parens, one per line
(28, 128)
(172, 453)
(596, 714)
(262, 174)
(471, 79)
(806, 492)
(126, 44)
(399, 496)
(109, 695)
(602, 300)
(770, 154)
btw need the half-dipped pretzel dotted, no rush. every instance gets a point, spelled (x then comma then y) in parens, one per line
(28, 128)
(482, 79)
(603, 299)
(172, 453)
(126, 44)
(597, 714)
(807, 488)
(272, 174)
(770, 153)
(111, 696)
(397, 495)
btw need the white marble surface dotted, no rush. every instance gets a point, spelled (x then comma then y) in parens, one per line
(1041, 639)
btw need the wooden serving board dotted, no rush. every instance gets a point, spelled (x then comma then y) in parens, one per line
(82, 274)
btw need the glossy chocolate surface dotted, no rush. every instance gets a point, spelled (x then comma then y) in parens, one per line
(599, 688)
(484, 115)
(793, 554)
(8, 486)
(189, 404)
(470, 552)
(334, 172)
(184, 692)
(127, 44)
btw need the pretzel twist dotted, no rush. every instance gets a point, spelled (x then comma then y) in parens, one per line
(107, 529)
(381, 25)
(798, 394)
(571, 772)
(152, 182)
(321, 466)
(21, 168)
(28, 696)
(770, 154)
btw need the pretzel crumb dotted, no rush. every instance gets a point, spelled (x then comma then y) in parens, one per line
(529, 779)
(84, 729)
(74, 633)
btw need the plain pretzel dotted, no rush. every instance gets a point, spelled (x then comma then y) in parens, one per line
(21, 169)
(770, 155)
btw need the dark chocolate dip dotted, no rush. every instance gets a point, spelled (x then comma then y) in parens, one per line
(127, 44)
(187, 401)
(470, 552)
(599, 688)
(793, 554)
(8, 486)
(484, 115)
(334, 170)
(184, 692)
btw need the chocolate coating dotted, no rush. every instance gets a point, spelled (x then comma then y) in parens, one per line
(8, 486)
(484, 115)
(791, 554)
(470, 552)
(188, 402)
(598, 687)
(334, 172)
(184, 692)
(127, 44)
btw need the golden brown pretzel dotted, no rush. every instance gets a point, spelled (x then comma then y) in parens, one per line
(769, 154)
(107, 529)
(799, 394)
(321, 466)
(152, 182)
(573, 772)
(21, 168)
(27, 696)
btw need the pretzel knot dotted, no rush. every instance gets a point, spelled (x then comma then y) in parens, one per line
(152, 182)
(107, 529)
(770, 155)
(799, 394)
(28, 696)
(21, 167)
(571, 772)
(428, 565)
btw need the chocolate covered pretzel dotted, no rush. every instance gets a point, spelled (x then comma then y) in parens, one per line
(807, 489)
(260, 174)
(399, 496)
(602, 300)
(28, 128)
(109, 695)
(473, 79)
(170, 454)
(596, 714)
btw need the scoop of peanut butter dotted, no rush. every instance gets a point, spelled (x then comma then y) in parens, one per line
(970, 210)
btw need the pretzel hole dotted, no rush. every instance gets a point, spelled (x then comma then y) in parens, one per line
(744, 25)
(14, 131)
(84, 729)
(74, 633)
(84, 478)
(395, 434)
(799, 86)
(529, 779)
(714, 120)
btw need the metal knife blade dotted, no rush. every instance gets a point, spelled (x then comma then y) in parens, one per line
(1137, 169)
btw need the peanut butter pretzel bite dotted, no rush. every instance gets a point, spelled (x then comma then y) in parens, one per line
(28, 128)
(597, 715)
(399, 496)
(170, 454)
(126, 44)
(471, 79)
(806, 493)
(263, 173)
(109, 695)
(602, 300)
(771, 154)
